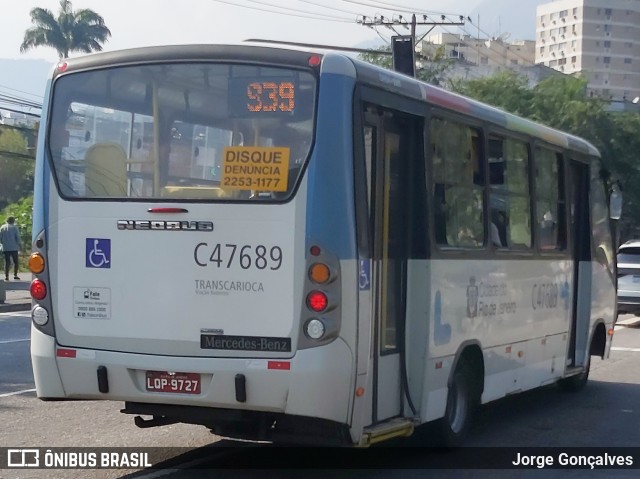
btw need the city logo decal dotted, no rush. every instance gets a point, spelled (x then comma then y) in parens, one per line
(472, 298)
(98, 253)
(441, 331)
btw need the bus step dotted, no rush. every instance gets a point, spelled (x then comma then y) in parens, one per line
(396, 427)
(573, 371)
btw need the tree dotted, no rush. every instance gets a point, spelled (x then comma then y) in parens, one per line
(431, 70)
(81, 30)
(380, 56)
(561, 102)
(506, 89)
(16, 167)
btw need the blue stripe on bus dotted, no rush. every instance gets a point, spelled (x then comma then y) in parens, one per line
(330, 209)
(42, 175)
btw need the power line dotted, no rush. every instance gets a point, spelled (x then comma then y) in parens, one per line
(315, 45)
(396, 7)
(21, 91)
(526, 60)
(19, 101)
(330, 8)
(306, 12)
(313, 16)
(400, 21)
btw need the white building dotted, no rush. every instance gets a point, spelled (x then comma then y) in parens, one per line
(598, 39)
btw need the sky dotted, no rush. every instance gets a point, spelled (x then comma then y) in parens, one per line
(155, 22)
(135, 23)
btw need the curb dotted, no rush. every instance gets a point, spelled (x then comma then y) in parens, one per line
(628, 322)
(13, 307)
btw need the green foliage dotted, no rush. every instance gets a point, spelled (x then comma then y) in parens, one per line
(382, 59)
(22, 211)
(561, 102)
(506, 89)
(431, 70)
(81, 30)
(16, 166)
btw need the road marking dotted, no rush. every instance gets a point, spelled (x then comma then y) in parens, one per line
(20, 314)
(15, 393)
(633, 350)
(628, 322)
(14, 341)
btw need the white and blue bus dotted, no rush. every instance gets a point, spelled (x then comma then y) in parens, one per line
(290, 245)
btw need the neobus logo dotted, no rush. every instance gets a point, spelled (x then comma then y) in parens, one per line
(165, 225)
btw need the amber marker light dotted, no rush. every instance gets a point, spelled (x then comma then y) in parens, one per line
(319, 273)
(36, 263)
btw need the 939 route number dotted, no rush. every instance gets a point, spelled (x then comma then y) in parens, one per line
(230, 255)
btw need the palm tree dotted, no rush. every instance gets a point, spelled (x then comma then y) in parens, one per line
(83, 30)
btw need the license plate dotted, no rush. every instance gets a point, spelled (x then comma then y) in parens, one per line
(166, 382)
(636, 279)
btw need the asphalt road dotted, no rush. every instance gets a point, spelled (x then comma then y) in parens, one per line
(605, 414)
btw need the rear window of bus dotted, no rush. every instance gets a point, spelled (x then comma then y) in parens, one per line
(191, 131)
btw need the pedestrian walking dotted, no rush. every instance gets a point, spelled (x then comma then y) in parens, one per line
(10, 246)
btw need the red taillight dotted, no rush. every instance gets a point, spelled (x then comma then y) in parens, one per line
(168, 210)
(314, 60)
(317, 301)
(38, 290)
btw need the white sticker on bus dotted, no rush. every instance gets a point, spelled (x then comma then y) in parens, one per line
(91, 303)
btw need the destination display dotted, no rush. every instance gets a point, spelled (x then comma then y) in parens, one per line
(262, 96)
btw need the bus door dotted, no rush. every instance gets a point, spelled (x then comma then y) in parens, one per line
(388, 146)
(580, 235)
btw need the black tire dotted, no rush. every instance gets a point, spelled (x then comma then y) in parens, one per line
(461, 407)
(576, 383)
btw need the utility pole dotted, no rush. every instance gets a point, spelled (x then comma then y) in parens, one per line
(403, 47)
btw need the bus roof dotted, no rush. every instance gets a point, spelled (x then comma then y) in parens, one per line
(408, 86)
(366, 72)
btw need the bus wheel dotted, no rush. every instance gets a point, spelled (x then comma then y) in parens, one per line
(461, 404)
(577, 382)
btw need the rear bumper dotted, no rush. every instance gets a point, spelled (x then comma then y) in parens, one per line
(319, 382)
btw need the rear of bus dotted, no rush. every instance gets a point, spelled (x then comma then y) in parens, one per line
(177, 266)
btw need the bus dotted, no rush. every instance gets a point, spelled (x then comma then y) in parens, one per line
(294, 245)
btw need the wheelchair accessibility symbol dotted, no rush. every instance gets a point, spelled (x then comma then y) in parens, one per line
(98, 253)
(364, 281)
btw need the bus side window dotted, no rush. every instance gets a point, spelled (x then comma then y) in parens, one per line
(458, 185)
(550, 206)
(509, 191)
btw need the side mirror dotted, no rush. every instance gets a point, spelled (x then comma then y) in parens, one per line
(615, 203)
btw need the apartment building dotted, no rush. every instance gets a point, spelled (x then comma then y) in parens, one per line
(495, 52)
(597, 39)
(477, 58)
